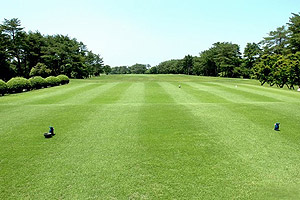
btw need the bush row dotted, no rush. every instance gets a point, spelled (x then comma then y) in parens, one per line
(20, 84)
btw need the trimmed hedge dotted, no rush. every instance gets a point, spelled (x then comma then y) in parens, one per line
(52, 81)
(3, 87)
(37, 82)
(18, 84)
(63, 79)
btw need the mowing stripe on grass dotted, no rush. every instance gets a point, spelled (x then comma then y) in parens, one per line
(181, 95)
(110, 96)
(202, 94)
(106, 152)
(22, 98)
(287, 115)
(248, 148)
(224, 94)
(60, 97)
(255, 152)
(269, 147)
(141, 137)
(265, 94)
(282, 94)
(135, 94)
(245, 96)
(85, 96)
(20, 116)
(176, 138)
(39, 149)
(155, 95)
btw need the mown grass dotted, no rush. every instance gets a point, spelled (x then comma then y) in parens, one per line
(142, 137)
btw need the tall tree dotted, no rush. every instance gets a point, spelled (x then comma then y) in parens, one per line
(251, 54)
(227, 57)
(171, 67)
(294, 28)
(276, 42)
(138, 69)
(94, 63)
(21, 53)
(294, 69)
(205, 64)
(107, 69)
(33, 49)
(13, 30)
(264, 69)
(188, 64)
(5, 70)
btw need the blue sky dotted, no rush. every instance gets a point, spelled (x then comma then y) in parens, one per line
(125, 32)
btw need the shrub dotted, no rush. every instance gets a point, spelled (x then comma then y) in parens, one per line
(3, 87)
(40, 70)
(18, 84)
(52, 81)
(37, 82)
(63, 79)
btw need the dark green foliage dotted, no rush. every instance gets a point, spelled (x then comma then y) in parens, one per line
(280, 63)
(280, 74)
(3, 87)
(279, 70)
(252, 53)
(138, 69)
(37, 82)
(107, 69)
(227, 57)
(270, 60)
(52, 81)
(94, 64)
(293, 70)
(134, 69)
(263, 70)
(63, 79)
(35, 44)
(33, 54)
(170, 67)
(294, 28)
(220, 60)
(276, 42)
(15, 45)
(120, 70)
(18, 84)
(188, 64)
(5, 71)
(40, 70)
(152, 70)
(205, 64)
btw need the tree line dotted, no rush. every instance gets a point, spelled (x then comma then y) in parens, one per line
(275, 60)
(134, 69)
(33, 54)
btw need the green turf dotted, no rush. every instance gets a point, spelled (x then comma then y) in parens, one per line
(143, 137)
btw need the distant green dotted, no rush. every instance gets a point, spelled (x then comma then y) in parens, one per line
(143, 137)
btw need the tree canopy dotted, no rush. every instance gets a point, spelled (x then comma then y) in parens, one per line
(274, 60)
(26, 54)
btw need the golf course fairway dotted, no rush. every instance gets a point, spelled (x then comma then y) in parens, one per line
(144, 137)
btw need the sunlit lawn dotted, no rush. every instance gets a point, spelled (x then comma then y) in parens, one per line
(143, 137)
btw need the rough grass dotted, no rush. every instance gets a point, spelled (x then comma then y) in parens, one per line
(141, 137)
